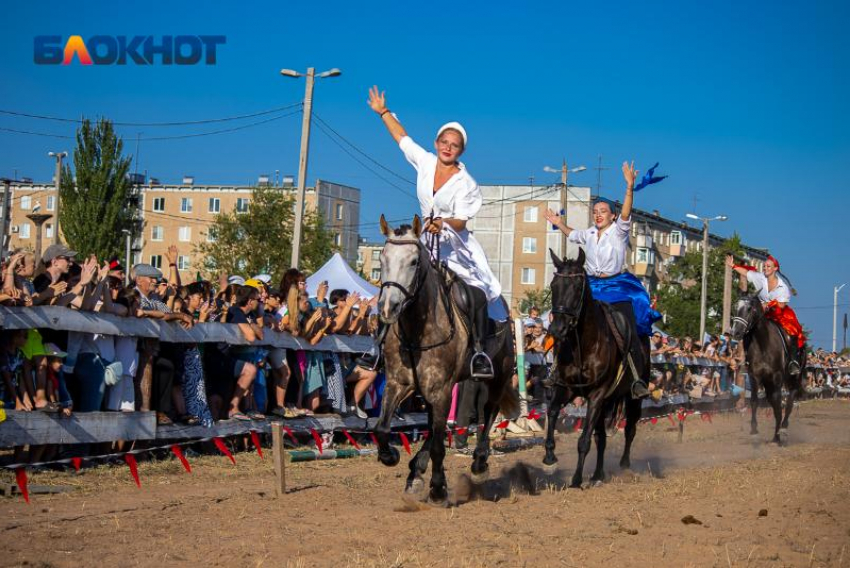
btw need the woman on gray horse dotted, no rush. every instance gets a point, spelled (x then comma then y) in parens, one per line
(449, 197)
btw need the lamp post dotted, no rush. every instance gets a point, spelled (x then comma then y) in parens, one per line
(835, 291)
(305, 147)
(703, 299)
(565, 172)
(58, 156)
(38, 219)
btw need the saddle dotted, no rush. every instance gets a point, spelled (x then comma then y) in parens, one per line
(623, 326)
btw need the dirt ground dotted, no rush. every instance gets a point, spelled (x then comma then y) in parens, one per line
(755, 505)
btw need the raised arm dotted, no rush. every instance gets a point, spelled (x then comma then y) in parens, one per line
(377, 102)
(556, 220)
(630, 175)
(742, 272)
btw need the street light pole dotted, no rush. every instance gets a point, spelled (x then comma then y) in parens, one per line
(305, 149)
(58, 156)
(565, 172)
(704, 294)
(835, 291)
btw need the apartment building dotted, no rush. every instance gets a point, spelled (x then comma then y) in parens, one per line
(181, 214)
(516, 238)
(369, 261)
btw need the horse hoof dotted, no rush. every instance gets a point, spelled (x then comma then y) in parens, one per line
(550, 460)
(479, 478)
(596, 482)
(438, 497)
(625, 464)
(414, 487)
(575, 485)
(479, 468)
(783, 437)
(390, 458)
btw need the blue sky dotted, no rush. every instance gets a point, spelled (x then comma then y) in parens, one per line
(741, 102)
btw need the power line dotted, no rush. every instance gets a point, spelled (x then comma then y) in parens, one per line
(177, 123)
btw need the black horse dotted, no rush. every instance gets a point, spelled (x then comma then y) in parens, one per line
(589, 363)
(427, 350)
(767, 353)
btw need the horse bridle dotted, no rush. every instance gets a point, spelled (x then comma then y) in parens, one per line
(417, 279)
(748, 324)
(566, 311)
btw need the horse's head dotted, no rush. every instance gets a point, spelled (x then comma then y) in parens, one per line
(747, 312)
(401, 268)
(568, 292)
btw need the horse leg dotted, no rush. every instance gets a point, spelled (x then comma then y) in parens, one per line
(439, 415)
(486, 414)
(601, 438)
(393, 395)
(633, 411)
(754, 406)
(594, 405)
(776, 403)
(789, 405)
(559, 397)
(419, 464)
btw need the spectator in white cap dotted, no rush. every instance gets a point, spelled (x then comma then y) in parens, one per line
(238, 280)
(448, 198)
(264, 278)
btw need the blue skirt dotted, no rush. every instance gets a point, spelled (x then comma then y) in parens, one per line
(625, 287)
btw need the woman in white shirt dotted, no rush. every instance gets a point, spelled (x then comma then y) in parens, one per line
(774, 292)
(448, 197)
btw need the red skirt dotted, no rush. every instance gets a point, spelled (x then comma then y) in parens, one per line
(787, 319)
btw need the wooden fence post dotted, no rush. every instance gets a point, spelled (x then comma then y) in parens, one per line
(279, 454)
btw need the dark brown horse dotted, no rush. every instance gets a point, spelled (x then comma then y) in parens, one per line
(767, 361)
(587, 361)
(427, 350)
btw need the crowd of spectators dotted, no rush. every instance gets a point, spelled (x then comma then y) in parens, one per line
(56, 371)
(827, 374)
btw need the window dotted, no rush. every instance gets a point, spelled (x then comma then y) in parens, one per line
(376, 274)
(215, 205)
(51, 202)
(157, 233)
(25, 231)
(184, 234)
(242, 204)
(529, 244)
(337, 240)
(186, 205)
(642, 256)
(156, 260)
(159, 204)
(675, 237)
(528, 276)
(211, 235)
(339, 211)
(530, 215)
(183, 262)
(26, 202)
(376, 255)
(48, 230)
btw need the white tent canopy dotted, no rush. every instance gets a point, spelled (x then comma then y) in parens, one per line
(340, 275)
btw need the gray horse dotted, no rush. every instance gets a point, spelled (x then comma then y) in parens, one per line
(427, 350)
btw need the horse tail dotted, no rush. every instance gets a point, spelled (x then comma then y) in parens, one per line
(509, 403)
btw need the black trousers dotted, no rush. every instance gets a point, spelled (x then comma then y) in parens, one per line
(471, 398)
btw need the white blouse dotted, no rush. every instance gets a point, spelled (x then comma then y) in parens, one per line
(459, 198)
(781, 293)
(605, 253)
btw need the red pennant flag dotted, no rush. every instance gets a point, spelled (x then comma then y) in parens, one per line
(449, 433)
(288, 430)
(374, 438)
(21, 478)
(654, 420)
(577, 425)
(503, 424)
(255, 439)
(219, 443)
(533, 415)
(682, 416)
(318, 439)
(425, 434)
(405, 442)
(179, 453)
(351, 440)
(134, 469)
(670, 416)
(622, 424)
(460, 431)
(77, 463)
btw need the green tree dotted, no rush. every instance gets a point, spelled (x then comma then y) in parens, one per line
(541, 298)
(94, 208)
(260, 240)
(679, 297)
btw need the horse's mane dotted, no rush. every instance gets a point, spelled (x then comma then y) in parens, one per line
(402, 230)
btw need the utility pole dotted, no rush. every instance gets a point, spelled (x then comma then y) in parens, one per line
(565, 172)
(703, 296)
(7, 190)
(307, 108)
(58, 156)
(128, 235)
(835, 291)
(727, 299)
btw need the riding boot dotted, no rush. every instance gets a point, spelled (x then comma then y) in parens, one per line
(481, 367)
(794, 356)
(639, 388)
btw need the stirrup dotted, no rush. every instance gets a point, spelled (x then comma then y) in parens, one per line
(487, 374)
(794, 367)
(639, 390)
